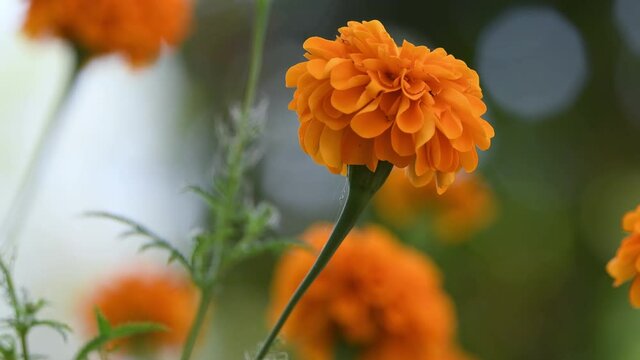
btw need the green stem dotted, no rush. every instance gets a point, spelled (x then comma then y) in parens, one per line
(23, 343)
(201, 314)
(363, 184)
(235, 156)
(20, 204)
(236, 168)
(15, 304)
(255, 64)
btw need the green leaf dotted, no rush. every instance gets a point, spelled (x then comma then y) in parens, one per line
(156, 242)
(107, 334)
(103, 324)
(211, 199)
(62, 328)
(137, 328)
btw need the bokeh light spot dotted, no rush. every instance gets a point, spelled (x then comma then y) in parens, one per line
(532, 62)
(627, 14)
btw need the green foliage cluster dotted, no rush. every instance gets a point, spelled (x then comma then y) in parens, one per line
(25, 317)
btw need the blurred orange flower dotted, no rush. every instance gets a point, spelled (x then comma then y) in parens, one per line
(146, 296)
(626, 264)
(361, 98)
(375, 295)
(136, 29)
(467, 207)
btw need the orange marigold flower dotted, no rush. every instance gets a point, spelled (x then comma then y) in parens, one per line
(361, 98)
(136, 29)
(467, 207)
(626, 264)
(375, 295)
(148, 296)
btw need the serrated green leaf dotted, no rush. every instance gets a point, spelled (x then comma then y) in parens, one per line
(156, 242)
(116, 333)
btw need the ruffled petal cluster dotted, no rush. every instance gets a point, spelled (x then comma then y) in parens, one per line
(362, 99)
(375, 295)
(161, 297)
(625, 265)
(136, 29)
(467, 207)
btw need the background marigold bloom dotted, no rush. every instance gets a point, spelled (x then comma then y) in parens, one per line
(159, 297)
(468, 206)
(375, 295)
(136, 29)
(361, 98)
(626, 264)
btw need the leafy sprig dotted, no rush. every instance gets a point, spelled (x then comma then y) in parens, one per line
(24, 319)
(107, 334)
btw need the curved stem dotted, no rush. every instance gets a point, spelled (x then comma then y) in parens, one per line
(21, 202)
(363, 184)
(201, 314)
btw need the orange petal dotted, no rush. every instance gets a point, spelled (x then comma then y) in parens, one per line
(469, 160)
(384, 150)
(456, 100)
(443, 181)
(331, 147)
(317, 97)
(410, 118)
(294, 73)
(310, 136)
(402, 142)
(349, 101)
(316, 68)
(370, 124)
(448, 159)
(419, 181)
(478, 107)
(464, 143)
(346, 76)
(329, 109)
(450, 125)
(324, 48)
(422, 161)
(427, 130)
(356, 150)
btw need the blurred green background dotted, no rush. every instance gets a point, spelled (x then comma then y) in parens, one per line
(562, 84)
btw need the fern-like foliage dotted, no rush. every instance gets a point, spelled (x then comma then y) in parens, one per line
(24, 318)
(154, 241)
(239, 227)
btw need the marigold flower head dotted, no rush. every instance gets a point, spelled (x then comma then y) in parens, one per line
(361, 99)
(146, 296)
(467, 207)
(136, 29)
(626, 264)
(375, 295)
